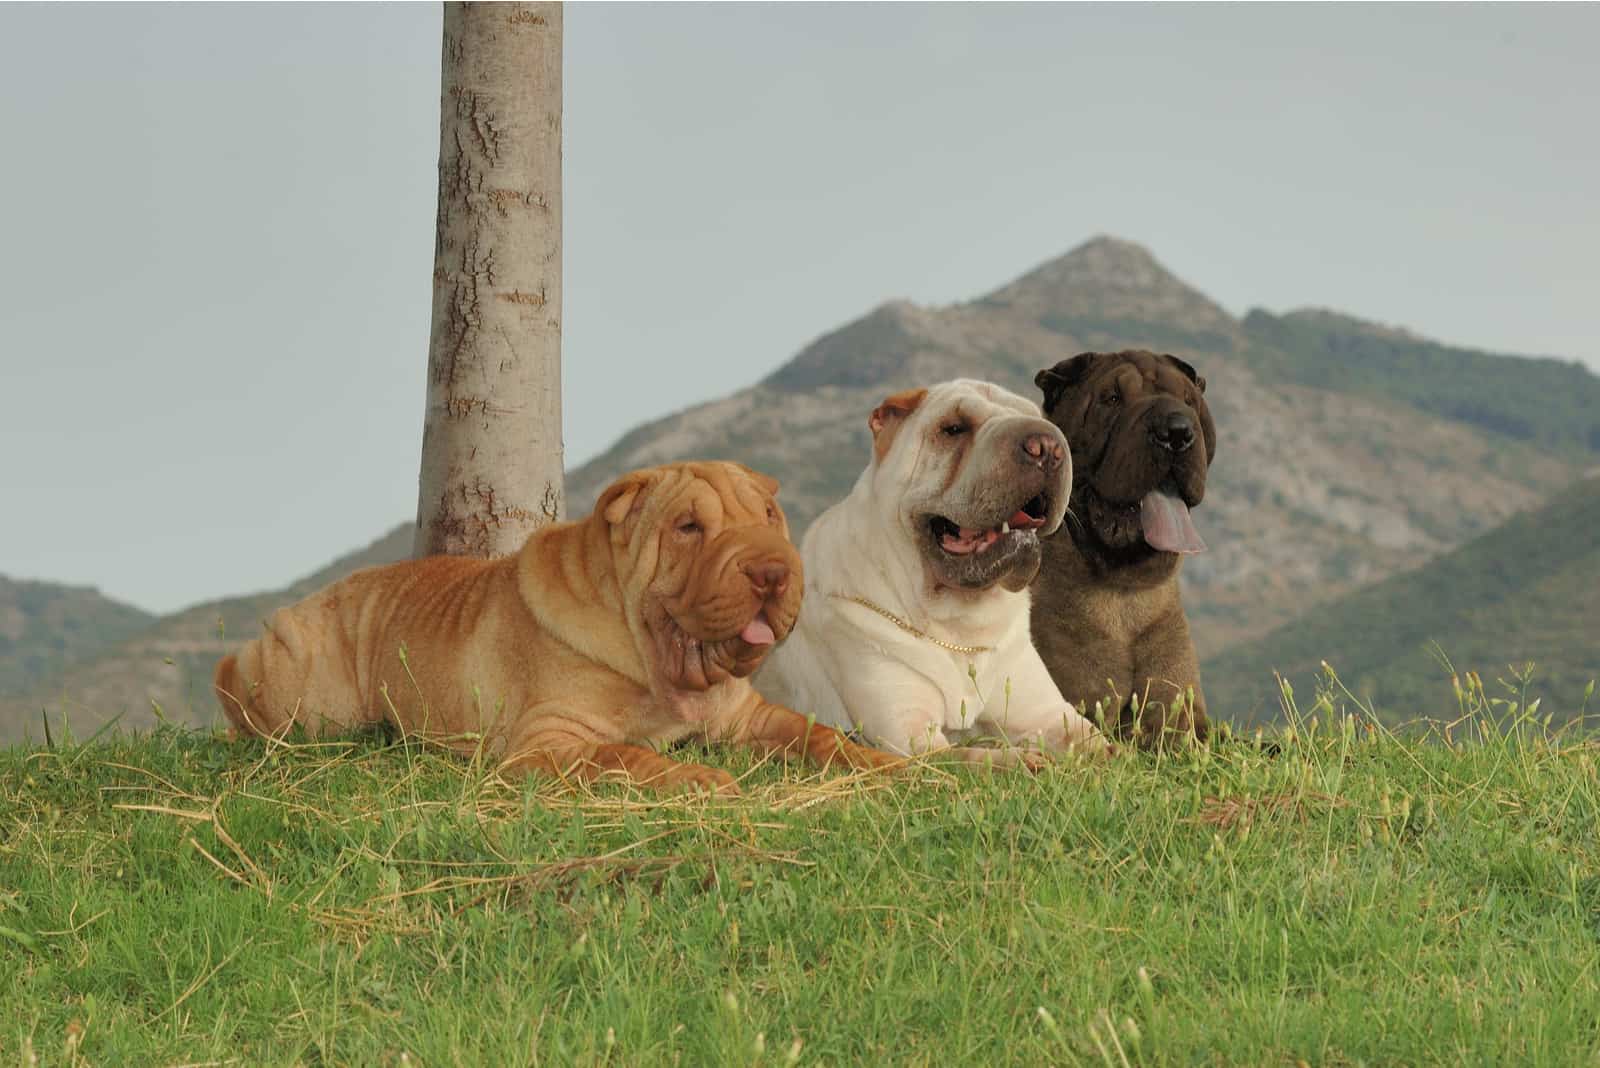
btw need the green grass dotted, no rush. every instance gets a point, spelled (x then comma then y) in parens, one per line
(1357, 897)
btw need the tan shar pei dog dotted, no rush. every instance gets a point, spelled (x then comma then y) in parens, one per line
(600, 641)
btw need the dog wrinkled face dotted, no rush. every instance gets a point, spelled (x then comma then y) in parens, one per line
(704, 550)
(973, 476)
(1142, 440)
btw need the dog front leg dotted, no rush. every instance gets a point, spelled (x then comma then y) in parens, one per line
(772, 728)
(933, 743)
(1034, 713)
(1167, 671)
(642, 767)
(1166, 718)
(567, 744)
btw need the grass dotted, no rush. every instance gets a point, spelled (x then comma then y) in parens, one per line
(1359, 896)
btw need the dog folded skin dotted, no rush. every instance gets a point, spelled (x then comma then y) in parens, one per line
(916, 623)
(632, 628)
(1107, 610)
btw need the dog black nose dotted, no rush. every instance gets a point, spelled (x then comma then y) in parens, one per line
(1173, 432)
(769, 579)
(1042, 451)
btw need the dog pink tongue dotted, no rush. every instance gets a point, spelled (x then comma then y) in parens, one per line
(1167, 525)
(758, 631)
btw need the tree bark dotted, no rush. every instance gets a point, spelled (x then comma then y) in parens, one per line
(491, 439)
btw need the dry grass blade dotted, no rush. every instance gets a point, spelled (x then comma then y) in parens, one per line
(229, 872)
(228, 840)
(164, 810)
(199, 982)
(1233, 811)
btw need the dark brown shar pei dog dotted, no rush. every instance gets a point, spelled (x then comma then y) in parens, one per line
(1107, 616)
(600, 640)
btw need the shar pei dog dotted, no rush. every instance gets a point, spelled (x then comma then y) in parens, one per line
(599, 641)
(916, 624)
(1107, 615)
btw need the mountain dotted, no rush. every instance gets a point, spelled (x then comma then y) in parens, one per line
(45, 627)
(1315, 492)
(163, 669)
(1321, 485)
(1324, 349)
(1524, 592)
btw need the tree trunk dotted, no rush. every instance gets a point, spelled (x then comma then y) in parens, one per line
(491, 436)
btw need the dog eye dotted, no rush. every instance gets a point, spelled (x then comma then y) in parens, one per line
(1111, 399)
(953, 430)
(772, 513)
(687, 525)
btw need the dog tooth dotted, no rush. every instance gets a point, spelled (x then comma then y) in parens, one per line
(1005, 527)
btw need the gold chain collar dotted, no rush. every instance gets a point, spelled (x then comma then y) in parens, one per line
(969, 650)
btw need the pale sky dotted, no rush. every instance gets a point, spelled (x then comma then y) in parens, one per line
(218, 221)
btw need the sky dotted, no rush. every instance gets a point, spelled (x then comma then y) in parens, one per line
(218, 222)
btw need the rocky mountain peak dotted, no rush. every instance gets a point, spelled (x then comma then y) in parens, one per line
(1107, 279)
(871, 350)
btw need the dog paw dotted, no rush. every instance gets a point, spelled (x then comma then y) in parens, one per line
(700, 779)
(861, 757)
(1095, 746)
(995, 758)
(1035, 760)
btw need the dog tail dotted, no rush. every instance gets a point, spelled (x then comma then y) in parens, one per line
(293, 675)
(243, 701)
(225, 683)
(233, 695)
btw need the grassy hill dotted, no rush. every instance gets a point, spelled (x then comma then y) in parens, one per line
(1527, 591)
(1324, 482)
(162, 670)
(1355, 899)
(45, 627)
(1547, 402)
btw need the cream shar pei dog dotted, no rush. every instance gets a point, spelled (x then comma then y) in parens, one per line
(597, 642)
(916, 623)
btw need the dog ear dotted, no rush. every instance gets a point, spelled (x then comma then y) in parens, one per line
(895, 406)
(623, 497)
(1188, 369)
(1208, 429)
(887, 418)
(760, 478)
(1063, 376)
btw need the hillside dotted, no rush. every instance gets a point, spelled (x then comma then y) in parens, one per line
(45, 627)
(1321, 485)
(1327, 350)
(1525, 591)
(166, 664)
